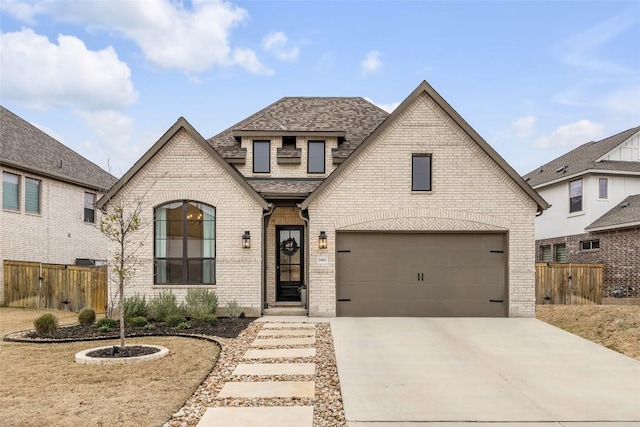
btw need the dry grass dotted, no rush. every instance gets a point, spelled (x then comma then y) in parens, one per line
(42, 385)
(614, 326)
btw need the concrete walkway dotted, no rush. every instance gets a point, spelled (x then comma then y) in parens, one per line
(271, 344)
(402, 372)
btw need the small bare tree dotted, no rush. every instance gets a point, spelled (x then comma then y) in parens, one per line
(120, 224)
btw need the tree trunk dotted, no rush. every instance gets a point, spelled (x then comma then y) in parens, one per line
(121, 316)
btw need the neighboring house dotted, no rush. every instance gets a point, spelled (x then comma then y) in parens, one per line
(48, 197)
(594, 192)
(404, 214)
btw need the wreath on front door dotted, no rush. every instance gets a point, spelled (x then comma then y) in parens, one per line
(289, 247)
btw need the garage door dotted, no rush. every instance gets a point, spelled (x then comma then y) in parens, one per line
(421, 274)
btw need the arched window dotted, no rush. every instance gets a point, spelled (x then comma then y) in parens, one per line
(185, 243)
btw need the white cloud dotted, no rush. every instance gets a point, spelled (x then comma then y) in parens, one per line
(170, 34)
(386, 107)
(42, 74)
(248, 60)
(113, 131)
(571, 135)
(23, 11)
(371, 62)
(524, 126)
(276, 43)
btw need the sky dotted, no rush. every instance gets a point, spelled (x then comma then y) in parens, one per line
(107, 78)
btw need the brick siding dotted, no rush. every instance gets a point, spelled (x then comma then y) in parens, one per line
(619, 252)
(58, 234)
(470, 192)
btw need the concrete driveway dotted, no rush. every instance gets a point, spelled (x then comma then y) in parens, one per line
(409, 371)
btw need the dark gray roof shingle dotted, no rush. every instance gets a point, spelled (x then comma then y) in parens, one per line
(582, 159)
(27, 148)
(269, 187)
(625, 213)
(356, 117)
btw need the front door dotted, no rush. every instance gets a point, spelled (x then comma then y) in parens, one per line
(289, 262)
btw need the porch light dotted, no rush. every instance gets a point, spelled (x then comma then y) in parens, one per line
(322, 240)
(246, 240)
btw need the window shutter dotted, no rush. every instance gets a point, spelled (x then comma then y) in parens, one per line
(32, 195)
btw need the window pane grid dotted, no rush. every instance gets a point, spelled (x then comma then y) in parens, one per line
(185, 243)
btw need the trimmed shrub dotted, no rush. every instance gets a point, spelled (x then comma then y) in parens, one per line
(87, 317)
(200, 302)
(106, 322)
(138, 322)
(163, 305)
(210, 319)
(46, 324)
(135, 306)
(174, 320)
(233, 309)
(104, 328)
(149, 326)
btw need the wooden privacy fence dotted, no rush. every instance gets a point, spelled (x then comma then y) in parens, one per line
(63, 287)
(568, 283)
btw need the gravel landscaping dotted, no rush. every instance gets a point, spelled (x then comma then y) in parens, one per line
(327, 404)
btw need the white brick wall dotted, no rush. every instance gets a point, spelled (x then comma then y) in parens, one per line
(58, 234)
(183, 170)
(470, 192)
(288, 170)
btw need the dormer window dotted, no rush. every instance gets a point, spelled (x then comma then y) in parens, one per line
(315, 157)
(261, 156)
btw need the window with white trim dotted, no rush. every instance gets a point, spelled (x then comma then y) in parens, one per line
(89, 207)
(603, 190)
(575, 196)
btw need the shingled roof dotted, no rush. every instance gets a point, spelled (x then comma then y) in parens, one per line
(284, 187)
(27, 148)
(582, 159)
(356, 118)
(625, 214)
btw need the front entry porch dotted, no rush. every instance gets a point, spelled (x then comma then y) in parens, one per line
(285, 248)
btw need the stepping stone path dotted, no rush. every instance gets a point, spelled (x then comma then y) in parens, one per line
(279, 341)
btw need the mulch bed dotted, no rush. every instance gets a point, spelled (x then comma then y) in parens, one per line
(128, 351)
(224, 328)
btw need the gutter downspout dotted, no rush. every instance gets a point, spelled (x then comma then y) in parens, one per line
(265, 220)
(306, 258)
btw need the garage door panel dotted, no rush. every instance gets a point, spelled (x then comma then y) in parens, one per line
(421, 274)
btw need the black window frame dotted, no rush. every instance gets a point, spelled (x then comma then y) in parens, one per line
(575, 202)
(268, 144)
(89, 215)
(415, 156)
(324, 155)
(185, 281)
(590, 245)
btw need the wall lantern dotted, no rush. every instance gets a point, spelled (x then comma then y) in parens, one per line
(246, 240)
(322, 240)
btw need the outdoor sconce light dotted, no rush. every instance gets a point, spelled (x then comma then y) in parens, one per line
(246, 240)
(322, 240)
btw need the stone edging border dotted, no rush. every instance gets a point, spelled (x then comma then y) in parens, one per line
(83, 359)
